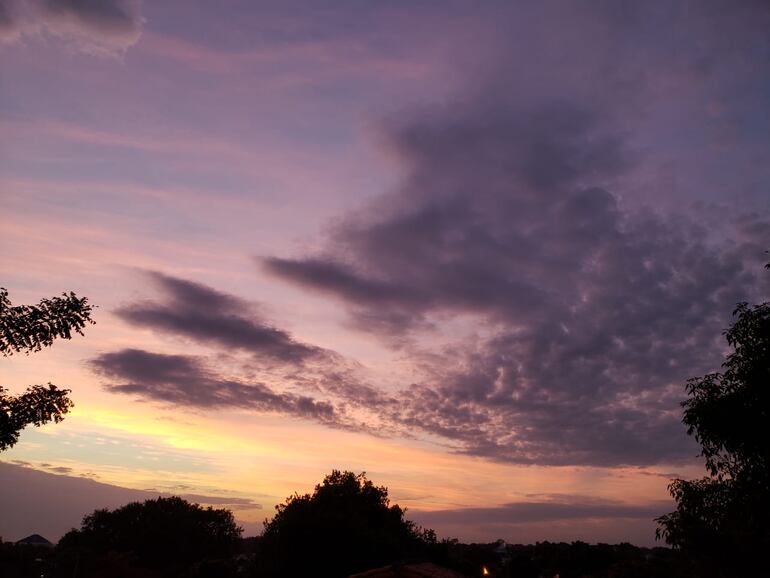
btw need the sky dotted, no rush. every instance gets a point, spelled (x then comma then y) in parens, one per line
(474, 249)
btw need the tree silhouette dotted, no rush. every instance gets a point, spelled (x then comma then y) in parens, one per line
(345, 526)
(168, 534)
(29, 328)
(39, 404)
(722, 519)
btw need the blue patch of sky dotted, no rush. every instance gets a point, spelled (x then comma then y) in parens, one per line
(95, 450)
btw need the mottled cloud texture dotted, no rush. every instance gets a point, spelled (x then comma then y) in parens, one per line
(587, 317)
(99, 27)
(549, 314)
(583, 310)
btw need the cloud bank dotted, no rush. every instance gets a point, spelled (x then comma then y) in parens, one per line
(32, 500)
(561, 518)
(521, 238)
(581, 310)
(547, 511)
(586, 316)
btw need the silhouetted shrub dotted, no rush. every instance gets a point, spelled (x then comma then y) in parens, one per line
(167, 534)
(347, 525)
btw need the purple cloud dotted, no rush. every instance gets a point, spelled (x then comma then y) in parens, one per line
(543, 511)
(100, 27)
(589, 315)
(185, 381)
(522, 219)
(317, 384)
(213, 318)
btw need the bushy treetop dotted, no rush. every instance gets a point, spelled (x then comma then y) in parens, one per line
(346, 525)
(157, 533)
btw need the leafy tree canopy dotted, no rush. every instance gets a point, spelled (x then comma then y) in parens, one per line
(728, 412)
(157, 533)
(29, 328)
(346, 525)
(38, 405)
(724, 515)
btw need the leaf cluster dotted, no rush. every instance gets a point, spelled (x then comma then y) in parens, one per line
(728, 412)
(29, 328)
(722, 519)
(39, 404)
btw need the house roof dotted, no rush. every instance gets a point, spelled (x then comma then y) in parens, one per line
(35, 540)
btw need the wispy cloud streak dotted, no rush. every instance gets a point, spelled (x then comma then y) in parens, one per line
(214, 318)
(185, 381)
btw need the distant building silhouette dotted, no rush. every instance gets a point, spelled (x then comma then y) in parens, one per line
(35, 540)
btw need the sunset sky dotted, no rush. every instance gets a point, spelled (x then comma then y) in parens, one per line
(474, 249)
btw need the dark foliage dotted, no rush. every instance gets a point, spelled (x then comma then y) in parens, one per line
(166, 535)
(347, 525)
(25, 561)
(29, 328)
(721, 520)
(582, 560)
(575, 560)
(544, 559)
(39, 404)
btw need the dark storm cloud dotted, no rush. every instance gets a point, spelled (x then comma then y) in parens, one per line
(588, 316)
(184, 380)
(94, 26)
(210, 317)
